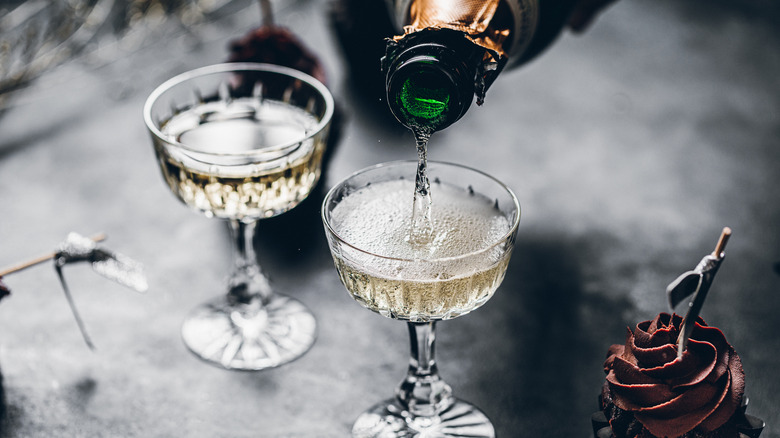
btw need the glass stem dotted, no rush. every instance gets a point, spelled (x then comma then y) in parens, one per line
(423, 393)
(247, 282)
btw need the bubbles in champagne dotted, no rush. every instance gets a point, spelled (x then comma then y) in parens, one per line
(452, 274)
(377, 217)
(242, 160)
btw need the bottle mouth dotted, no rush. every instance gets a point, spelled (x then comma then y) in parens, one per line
(429, 90)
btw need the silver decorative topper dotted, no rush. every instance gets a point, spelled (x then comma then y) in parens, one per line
(697, 283)
(77, 248)
(117, 267)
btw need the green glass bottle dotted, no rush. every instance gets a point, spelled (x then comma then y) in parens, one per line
(452, 51)
(430, 79)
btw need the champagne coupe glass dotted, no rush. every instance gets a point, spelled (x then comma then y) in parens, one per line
(242, 142)
(367, 219)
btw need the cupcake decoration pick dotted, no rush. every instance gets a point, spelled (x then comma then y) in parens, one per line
(676, 377)
(651, 391)
(697, 283)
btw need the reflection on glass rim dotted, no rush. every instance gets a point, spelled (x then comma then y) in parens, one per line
(236, 67)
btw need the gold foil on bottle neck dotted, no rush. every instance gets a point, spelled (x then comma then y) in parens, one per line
(472, 17)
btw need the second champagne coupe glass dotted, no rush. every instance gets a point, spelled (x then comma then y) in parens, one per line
(368, 220)
(243, 142)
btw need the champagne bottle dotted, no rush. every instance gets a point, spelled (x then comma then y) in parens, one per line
(448, 52)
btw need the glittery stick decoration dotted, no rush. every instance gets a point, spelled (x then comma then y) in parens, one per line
(117, 267)
(696, 283)
(77, 248)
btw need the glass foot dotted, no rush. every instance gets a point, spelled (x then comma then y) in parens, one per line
(249, 337)
(387, 420)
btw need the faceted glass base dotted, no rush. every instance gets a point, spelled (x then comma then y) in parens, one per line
(387, 420)
(249, 336)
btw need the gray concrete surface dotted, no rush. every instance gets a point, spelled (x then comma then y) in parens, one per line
(629, 147)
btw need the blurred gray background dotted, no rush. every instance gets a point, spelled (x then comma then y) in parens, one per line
(629, 147)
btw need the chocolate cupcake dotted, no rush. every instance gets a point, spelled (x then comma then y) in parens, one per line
(651, 392)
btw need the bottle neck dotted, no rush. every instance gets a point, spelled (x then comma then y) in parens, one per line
(431, 77)
(450, 52)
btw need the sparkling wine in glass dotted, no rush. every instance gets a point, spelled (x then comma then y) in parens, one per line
(243, 142)
(389, 269)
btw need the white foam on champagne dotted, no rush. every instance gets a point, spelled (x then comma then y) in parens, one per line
(377, 219)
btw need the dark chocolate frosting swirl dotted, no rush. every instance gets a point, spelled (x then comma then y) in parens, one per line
(672, 396)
